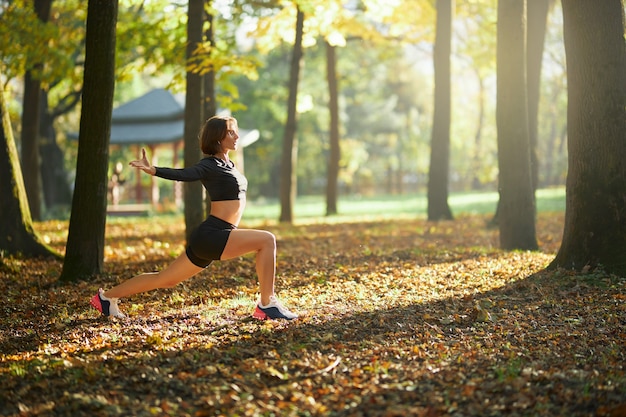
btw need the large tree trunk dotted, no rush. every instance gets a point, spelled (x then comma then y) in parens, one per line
(536, 33)
(438, 175)
(516, 207)
(335, 150)
(17, 235)
(84, 255)
(595, 212)
(30, 123)
(289, 161)
(194, 207)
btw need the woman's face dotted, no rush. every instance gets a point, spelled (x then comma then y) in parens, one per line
(229, 142)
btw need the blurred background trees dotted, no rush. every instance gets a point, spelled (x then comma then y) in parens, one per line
(359, 119)
(385, 98)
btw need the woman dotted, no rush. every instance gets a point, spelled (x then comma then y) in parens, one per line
(218, 237)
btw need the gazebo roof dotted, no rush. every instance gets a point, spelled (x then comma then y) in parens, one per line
(156, 105)
(156, 117)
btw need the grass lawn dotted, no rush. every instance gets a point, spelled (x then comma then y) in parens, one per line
(313, 208)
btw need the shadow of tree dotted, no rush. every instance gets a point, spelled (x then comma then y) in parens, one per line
(554, 345)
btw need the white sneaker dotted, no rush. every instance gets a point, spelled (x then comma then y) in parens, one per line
(107, 306)
(274, 310)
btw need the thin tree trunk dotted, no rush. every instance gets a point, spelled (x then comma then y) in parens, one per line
(536, 33)
(289, 161)
(476, 160)
(55, 184)
(209, 97)
(335, 150)
(30, 150)
(516, 207)
(84, 255)
(438, 176)
(30, 124)
(194, 207)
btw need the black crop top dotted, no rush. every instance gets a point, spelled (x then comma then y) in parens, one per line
(221, 179)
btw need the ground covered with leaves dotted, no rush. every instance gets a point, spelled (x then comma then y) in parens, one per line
(398, 318)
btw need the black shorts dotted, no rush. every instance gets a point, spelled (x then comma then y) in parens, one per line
(207, 241)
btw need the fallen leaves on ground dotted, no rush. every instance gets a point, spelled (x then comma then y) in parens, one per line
(398, 318)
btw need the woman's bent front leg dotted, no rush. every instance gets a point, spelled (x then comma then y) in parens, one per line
(241, 242)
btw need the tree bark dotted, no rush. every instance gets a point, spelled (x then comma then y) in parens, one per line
(209, 96)
(289, 177)
(30, 149)
(536, 33)
(595, 212)
(30, 123)
(17, 236)
(210, 103)
(438, 176)
(55, 184)
(476, 157)
(84, 255)
(335, 150)
(516, 207)
(194, 207)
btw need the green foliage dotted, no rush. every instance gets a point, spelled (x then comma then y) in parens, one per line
(150, 38)
(26, 41)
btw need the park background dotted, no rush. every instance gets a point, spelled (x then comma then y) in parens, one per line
(401, 314)
(385, 104)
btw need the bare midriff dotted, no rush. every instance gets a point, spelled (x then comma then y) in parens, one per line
(230, 210)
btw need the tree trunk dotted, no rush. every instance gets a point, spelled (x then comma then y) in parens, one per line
(289, 177)
(30, 123)
(335, 150)
(516, 208)
(477, 159)
(194, 207)
(30, 150)
(536, 33)
(84, 255)
(209, 97)
(56, 188)
(17, 235)
(438, 176)
(210, 103)
(595, 212)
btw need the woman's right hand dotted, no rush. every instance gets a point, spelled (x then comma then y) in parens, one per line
(143, 164)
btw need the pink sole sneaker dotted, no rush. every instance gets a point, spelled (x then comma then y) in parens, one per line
(274, 310)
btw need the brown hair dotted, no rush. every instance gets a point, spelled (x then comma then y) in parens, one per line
(213, 131)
